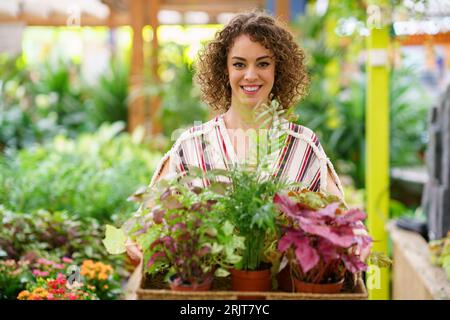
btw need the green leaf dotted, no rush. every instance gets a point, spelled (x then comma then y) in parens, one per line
(220, 272)
(233, 258)
(216, 248)
(238, 242)
(148, 238)
(115, 239)
(227, 228)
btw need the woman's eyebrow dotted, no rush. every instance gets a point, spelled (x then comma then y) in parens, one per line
(243, 59)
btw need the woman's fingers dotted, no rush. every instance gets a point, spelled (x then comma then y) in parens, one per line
(134, 252)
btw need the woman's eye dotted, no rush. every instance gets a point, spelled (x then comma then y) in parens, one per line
(238, 65)
(264, 64)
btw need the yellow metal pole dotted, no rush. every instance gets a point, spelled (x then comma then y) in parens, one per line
(377, 149)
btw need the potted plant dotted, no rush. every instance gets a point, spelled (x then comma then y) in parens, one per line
(248, 201)
(182, 236)
(248, 205)
(321, 240)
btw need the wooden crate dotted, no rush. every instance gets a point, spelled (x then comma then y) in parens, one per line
(414, 276)
(161, 292)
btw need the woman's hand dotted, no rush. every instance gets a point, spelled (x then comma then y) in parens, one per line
(134, 252)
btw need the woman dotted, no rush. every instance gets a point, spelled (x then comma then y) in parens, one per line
(251, 61)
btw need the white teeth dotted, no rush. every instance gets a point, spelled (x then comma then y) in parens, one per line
(251, 88)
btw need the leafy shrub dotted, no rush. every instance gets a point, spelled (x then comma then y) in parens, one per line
(108, 99)
(13, 278)
(181, 105)
(38, 103)
(91, 176)
(51, 234)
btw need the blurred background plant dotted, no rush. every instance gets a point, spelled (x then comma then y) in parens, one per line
(181, 104)
(38, 103)
(440, 253)
(109, 96)
(339, 118)
(14, 276)
(91, 176)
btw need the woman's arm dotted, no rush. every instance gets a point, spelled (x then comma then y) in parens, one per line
(332, 187)
(134, 251)
(164, 170)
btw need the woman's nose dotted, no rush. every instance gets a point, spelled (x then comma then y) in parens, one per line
(251, 74)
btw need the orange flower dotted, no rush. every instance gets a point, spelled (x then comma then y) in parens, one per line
(40, 292)
(23, 295)
(88, 263)
(102, 276)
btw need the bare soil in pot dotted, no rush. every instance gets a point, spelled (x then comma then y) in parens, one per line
(286, 280)
(204, 285)
(306, 287)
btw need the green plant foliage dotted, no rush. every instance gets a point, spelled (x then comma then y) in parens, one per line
(181, 106)
(248, 205)
(339, 119)
(114, 241)
(91, 176)
(440, 253)
(37, 103)
(40, 102)
(14, 277)
(109, 97)
(248, 200)
(408, 117)
(41, 233)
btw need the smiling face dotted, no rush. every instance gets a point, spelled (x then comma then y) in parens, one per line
(251, 71)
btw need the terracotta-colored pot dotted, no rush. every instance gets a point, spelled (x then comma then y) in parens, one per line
(284, 279)
(258, 280)
(306, 287)
(204, 286)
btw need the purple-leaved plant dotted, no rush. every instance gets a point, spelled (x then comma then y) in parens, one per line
(185, 237)
(322, 242)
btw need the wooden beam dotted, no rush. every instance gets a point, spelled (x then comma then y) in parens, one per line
(421, 39)
(136, 107)
(122, 18)
(282, 9)
(213, 7)
(60, 20)
(155, 101)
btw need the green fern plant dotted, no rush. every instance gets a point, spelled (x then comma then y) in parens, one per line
(247, 202)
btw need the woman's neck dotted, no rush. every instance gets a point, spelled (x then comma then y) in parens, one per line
(241, 118)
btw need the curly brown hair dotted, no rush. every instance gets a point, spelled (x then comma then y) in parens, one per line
(291, 78)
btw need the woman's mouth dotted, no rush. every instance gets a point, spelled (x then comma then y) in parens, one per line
(251, 90)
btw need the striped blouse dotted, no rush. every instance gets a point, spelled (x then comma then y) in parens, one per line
(301, 159)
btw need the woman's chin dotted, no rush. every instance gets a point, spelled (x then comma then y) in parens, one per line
(253, 102)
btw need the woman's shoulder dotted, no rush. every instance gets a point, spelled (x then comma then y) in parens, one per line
(304, 133)
(195, 131)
